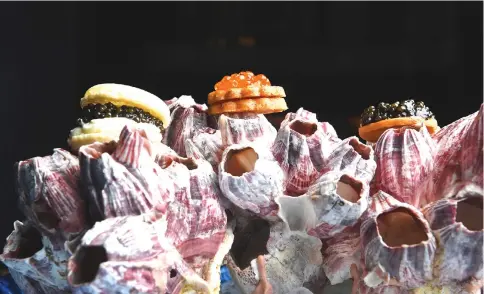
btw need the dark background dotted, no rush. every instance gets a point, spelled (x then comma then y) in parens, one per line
(334, 58)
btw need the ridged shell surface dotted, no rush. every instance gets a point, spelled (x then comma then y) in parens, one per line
(254, 190)
(206, 144)
(410, 265)
(246, 128)
(122, 178)
(340, 252)
(336, 201)
(49, 192)
(133, 255)
(404, 161)
(37, 262)
(186, 118)
(299, 137)
(353, 158)
(456, 222)
(460, 151)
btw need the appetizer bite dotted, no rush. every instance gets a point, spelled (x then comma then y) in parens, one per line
(107, 108)
(376, 120)
(246, 92)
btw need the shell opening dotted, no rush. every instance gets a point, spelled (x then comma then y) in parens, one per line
(173, 273)
(88, 260)
(250, 242)
(349, 189)
(401, 227)
(30, 242)
(304, 128)
(469, 213)
(363, 150)
(240, 161)
(47, 218)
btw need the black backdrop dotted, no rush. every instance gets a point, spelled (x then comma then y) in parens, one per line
(334, 58)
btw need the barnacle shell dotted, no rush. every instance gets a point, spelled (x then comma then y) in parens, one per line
(178, 211)
(196, 214)
(460, 151)
(456, 221)
(302, 114)
(122, 178)
(353, 158)
(398, 244)
(127, 254)
(246, 128)
(49, 193)
(299, 137)
(37, 261)
(247, 184)
(404, 161)
(186, 118)
(334, 202)
(340, 252)
(206, 144)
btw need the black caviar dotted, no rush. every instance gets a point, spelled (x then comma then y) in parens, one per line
(98, 111)
(397, 109)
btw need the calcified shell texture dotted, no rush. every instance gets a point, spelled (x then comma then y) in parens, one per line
(405, 158)
(135, 216)
(388, 252)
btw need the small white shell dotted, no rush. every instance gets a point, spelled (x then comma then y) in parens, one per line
(206, 144)
(246, 128)
(353, 158)
(334, 202)
(255, 190)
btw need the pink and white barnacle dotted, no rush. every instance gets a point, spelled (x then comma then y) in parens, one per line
(456, 221)
(398, 244)
(300, 139)
(186, 118)
(206, 144)
(131, 254)
(250, 178)
(340, 252)
(36, 261)
(460, 151)
(336, 201)
(353, 158)
(246, 128)
(404, 161)
(122, 178)
(49, 193)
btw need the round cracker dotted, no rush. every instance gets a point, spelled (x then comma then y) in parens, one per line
(248, 92)
(373, 131)
(254, 105)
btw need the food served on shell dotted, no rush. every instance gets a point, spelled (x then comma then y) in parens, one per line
(107, 108)
(129, 212)
(376, 120)
(246, 92)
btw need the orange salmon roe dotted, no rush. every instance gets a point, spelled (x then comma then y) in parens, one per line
(242, 80)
